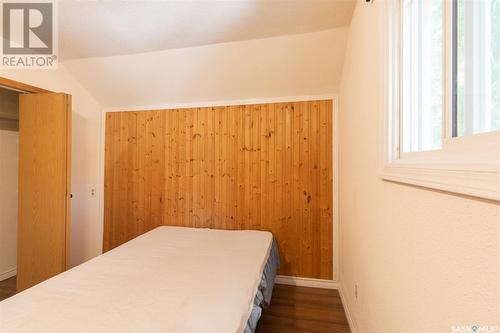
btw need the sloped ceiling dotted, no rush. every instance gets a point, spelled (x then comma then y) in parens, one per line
(117, 27)
(292, 65)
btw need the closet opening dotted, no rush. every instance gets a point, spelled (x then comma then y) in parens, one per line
(9, 166)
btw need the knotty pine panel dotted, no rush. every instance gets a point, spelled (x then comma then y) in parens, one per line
(261, 167)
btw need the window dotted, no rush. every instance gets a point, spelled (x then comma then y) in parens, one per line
(422, 73)
(476, 66)
(442, 95)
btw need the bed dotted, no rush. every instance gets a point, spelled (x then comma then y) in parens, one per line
(171, 279)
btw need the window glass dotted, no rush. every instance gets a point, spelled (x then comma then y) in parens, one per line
(477, 67)
(422, 75)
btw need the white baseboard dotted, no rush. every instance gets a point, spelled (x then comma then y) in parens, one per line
(8, 274)
(306, 282)
(348, 313)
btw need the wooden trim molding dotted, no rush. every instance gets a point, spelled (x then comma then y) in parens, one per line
(353, 325)
(306, 282)
(8, 83)
(8, 274)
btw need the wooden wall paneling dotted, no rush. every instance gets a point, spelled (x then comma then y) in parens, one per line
(182, 166)
(110, 167)
(203, 120)
(133, 175)
(314, 194)
(217, 175)
(305, 185)
(177, 144)
(278, 200)
(120, 218)
(225, 168)
(210, 173)
(157, 168)
(169, 190)
(197, 190)
(208, 156)
(297, 191)
(234, 113)
(181, 171)
(271, 165)
(120, 181)
(178, 163)
(149, 170)
(205, 191)
(255, 191)
(325, 161)
(108, 176)
(109, 170)
(288, 229)
(303, 181)
(263, 159)
(263, 167)
(220, 167)
(202, 146)
(142, 181)
(113, 186)
(186, 169)
(247, 165)
(327, 192)
(240, 170)
(197, 175)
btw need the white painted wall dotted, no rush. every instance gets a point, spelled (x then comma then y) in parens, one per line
(423, 260)
(86, 230)
(9, 157)
(293, 65)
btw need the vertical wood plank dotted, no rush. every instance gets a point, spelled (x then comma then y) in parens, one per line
(255, 191)
(314, 214)
(295, 263)
(168, 189)
(157, 169)
(264, 167)
(226, 172)
(197, 168)
(240, 213)
(131, 194)
(234, 113)
(188, 137)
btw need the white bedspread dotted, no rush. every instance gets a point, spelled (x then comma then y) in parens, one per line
(170, 279)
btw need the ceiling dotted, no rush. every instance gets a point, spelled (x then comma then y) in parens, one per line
(117, 27)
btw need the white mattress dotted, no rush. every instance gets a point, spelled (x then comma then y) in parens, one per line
(170, 279)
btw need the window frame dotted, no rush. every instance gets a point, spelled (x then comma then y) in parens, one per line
(467, 165)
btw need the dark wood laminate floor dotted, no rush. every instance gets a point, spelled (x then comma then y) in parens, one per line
(301, 309)
(293, 309)
(7, 288)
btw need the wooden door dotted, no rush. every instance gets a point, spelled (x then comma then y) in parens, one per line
(44, 187)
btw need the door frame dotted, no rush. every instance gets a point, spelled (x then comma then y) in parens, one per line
(22, 87)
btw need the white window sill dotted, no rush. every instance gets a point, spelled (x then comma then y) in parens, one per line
(473, 183)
